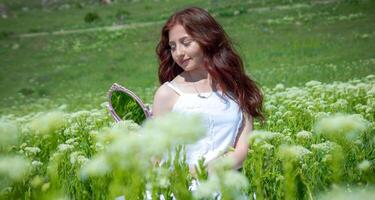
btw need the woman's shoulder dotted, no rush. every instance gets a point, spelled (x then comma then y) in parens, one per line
(164, 100)
(164, 92)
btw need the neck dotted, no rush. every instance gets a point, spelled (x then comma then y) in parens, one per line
(203, 78)
(201, 75)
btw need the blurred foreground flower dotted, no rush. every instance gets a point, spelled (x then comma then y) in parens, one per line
(8, 133)
(96, 167)
(184, 129)
(349, 194)
(119, 130)
(48, 122)
(223, 181)
(342, 127)
(127, 147)
(14, 167)
(364, 165)
(293, 152)
(168, 131)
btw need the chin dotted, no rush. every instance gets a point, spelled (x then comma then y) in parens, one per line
(187, 68)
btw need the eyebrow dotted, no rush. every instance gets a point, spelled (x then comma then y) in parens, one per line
(181, 39)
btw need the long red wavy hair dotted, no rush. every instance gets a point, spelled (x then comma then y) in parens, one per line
(221, 60)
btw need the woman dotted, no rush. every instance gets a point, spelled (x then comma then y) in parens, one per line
(200, 72)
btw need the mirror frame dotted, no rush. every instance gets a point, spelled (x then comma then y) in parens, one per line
(117, 87)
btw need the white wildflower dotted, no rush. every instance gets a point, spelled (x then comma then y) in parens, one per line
(71, 141)
(78, 158)
(258, 137)
(371, 92)
(267, 146)
(313, 83)
(64, 147)
(36, 163)
(294, 92)
(370, 77)
(304, 135)
(342, 102)
(321, 115)
(325, 147)
(104, 104)
(32, 150)
(80, 114)
(293, 152)
(279, 87)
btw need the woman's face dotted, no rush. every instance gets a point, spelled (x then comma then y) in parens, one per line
(185, 51)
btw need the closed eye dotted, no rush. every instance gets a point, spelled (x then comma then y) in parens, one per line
(186, 43)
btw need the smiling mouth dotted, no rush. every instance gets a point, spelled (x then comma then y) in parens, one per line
(184, 62)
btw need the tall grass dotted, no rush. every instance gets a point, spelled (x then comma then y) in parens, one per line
(317, 138)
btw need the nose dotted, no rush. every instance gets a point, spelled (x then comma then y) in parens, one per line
(179, 51)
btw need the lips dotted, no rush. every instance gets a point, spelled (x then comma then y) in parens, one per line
(185, 62)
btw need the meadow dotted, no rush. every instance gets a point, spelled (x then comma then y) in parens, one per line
(313, 59)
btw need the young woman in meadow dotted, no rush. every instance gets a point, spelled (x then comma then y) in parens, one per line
(200, 72)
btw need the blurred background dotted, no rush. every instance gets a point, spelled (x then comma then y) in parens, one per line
(67, 53)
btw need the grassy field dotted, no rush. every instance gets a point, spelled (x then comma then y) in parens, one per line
(324, 42)
(314, 60)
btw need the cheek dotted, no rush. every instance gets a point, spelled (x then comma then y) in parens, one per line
(173, 57)
(197, 53)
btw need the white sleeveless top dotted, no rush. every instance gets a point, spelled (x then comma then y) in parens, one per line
(222, 119)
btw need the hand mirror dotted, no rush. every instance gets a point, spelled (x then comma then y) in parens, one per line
(125, 105)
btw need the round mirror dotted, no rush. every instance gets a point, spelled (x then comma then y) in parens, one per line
(125, 105)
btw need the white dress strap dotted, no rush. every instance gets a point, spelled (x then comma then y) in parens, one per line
(178, 91)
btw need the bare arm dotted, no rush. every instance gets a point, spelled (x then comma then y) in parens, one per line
(164, 100)
(240, 151)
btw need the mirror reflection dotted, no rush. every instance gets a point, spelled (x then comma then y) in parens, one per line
(126, 107)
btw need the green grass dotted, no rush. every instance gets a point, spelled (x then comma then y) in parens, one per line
(285, 43)
(332, 42)
(37, 19)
